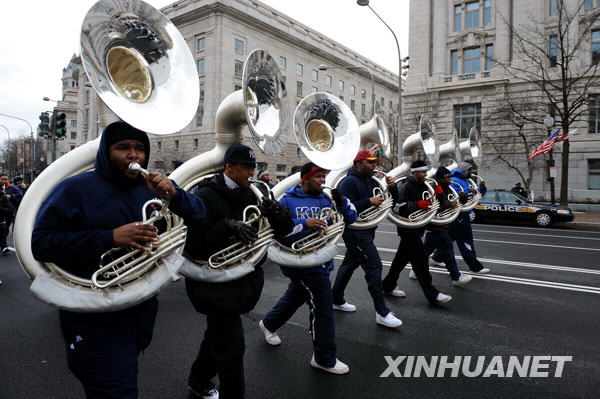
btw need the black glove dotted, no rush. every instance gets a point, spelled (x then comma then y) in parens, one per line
(337, 197)
(463, 197)
(268, 207)
(242, 231)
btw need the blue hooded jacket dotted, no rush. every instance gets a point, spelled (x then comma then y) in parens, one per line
(303, 206)
(75, 223)
(460, 183)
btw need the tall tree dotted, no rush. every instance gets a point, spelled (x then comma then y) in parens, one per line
(554, 55)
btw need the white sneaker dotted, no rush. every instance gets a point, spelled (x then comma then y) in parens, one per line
(412, 275)
(436, 263)
(338, 368)
(271, 337)
(210, 393)
(443, 298)
(345, 307)
(462, 280)
(397, 293)
(483, 271)
(389, 320)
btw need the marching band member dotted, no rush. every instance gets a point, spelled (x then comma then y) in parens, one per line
(83, 217)
(264, 176)
(460, 229)
(411, 248)
(226, 195)
(358, 187)
(310, 285)
(437, 237)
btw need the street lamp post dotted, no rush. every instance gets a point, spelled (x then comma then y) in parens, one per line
(549, 123)
(32, 144)
(324, 67)
(366, 3)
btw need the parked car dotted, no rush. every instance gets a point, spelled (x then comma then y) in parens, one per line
(505, 205)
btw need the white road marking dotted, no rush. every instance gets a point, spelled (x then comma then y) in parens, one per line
(545, 229)
(515, 280)
(537, 235)
(520, 243)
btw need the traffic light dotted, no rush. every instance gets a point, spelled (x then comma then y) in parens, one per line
(44, 124)
(60, 125)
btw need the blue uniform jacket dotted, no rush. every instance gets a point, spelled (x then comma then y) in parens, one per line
(303, 206)
(75, 223)
(460, 183)
(16, 195)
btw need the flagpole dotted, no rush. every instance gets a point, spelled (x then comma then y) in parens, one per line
(549, 123)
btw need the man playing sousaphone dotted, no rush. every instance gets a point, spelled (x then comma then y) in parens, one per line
(87, 215)
(311, 284)
(226, 195)
(411, 248)
(358, 187)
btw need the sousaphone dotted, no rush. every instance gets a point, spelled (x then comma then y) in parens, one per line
(142, 69)
(261, 105)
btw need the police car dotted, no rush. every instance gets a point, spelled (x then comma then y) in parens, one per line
(501, 204)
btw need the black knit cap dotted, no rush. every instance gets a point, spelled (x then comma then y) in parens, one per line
(442, 172)
(120, 130)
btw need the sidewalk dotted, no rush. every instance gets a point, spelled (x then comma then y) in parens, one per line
(587, 218)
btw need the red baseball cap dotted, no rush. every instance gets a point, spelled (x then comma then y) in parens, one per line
(368, 155)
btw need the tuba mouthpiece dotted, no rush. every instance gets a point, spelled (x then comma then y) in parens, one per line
(135, 167)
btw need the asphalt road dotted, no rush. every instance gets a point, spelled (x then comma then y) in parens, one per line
(541, 298)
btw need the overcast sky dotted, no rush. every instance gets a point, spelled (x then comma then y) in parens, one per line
(39, 37)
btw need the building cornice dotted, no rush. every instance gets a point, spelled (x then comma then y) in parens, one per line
(284, 28)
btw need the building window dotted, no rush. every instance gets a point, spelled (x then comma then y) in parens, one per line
(298, 152)
(471, 62)
(472, 15)
(87, 96)
(158, 146)
(237, 87)
(200, 44)
(353, 105)
(489, 57)
(159, 165)
(363, 109)
(314, 89)
(467, 116)
(195, 144)
(72, 148)
(280, 167)
(262, 165)
(282, 62)
(457, 17)
(553, 7)
(201, 67)
(553, 50)
(588, 4)
(594, 174)
(341, 85)
(73, 123)
(299, 69)
(382, 103)
(239, 69)
(200, 112)
(352, 89)
(594, 114)
(363, 93)
(595, 46)
(390, 104)
(454, 62)
(73, 135)
(176, 144)
(487, 12)
(328, 80)
(341, 98)
(298, 88)
(239, 46)
(315, 75)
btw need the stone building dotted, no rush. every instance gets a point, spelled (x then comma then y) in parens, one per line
(455, 47)
(221, 34)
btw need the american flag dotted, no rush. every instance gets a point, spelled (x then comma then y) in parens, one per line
(547, 144)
